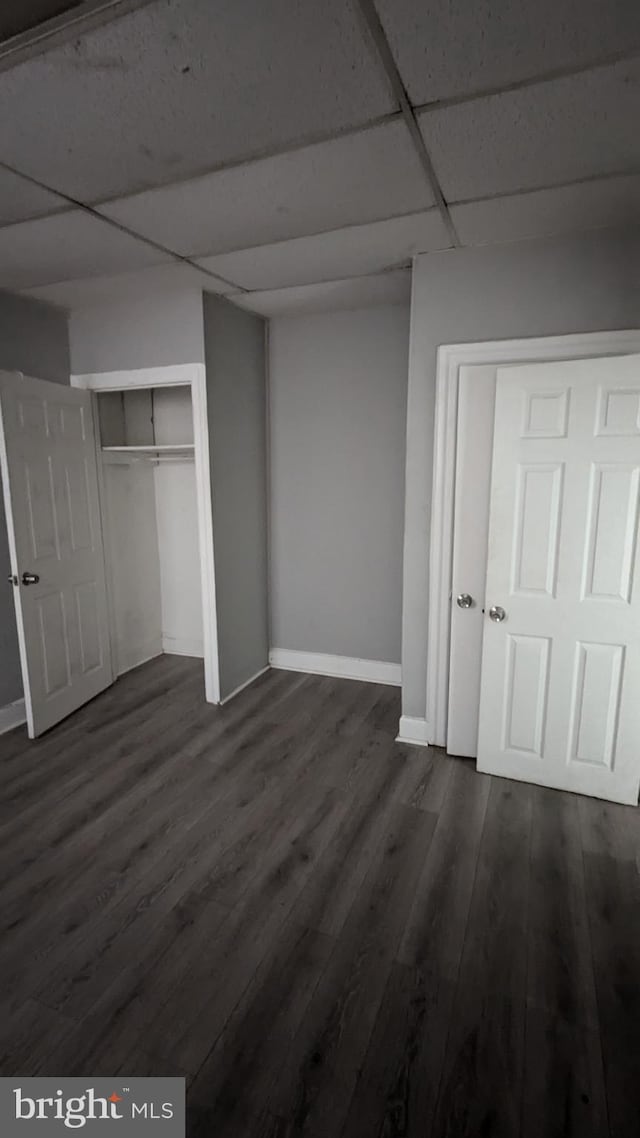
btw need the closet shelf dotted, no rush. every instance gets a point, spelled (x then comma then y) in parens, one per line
(152, 449)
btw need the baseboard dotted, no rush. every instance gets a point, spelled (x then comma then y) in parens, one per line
(137, 655)
(241, 687)
(182, 646)
(12, 715)
(414, 730)
(347, 667)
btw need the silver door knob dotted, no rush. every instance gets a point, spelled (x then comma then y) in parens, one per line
(30, 578)
(464, 601)
(496, 613)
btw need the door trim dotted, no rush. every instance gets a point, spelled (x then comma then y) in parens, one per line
(450, 357)
(193, 375)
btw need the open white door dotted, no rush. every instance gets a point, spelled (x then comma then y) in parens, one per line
(49, 475)
(560, 692)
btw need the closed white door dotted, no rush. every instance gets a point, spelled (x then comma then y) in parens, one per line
(560, 691)
(49, 475)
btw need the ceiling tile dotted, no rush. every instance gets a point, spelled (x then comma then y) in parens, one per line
(359, 292)
(555, 132)
(181, 86)
(358, 250)
(21, 199)
(445, 49)
(360, 177)
(84, 292)
(67, 245)
(564, 209)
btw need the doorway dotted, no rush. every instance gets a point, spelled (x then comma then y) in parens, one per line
(465, 407)
(153, 449)
(150, 523)
(108, 502)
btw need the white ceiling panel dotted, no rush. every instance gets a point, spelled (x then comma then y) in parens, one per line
(555, 132)
(446, 49)
(360, 177)
(564, 209)
(21, 199)
(65, 246)
(356, 251)
(359, 292)
(81, 293)
(182, 86)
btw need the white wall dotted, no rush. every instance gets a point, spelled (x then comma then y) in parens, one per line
(582, 283)
(179, 558)
(153, 560)
(236, 408)
(133, 568)
(338, 385)
(147, 328)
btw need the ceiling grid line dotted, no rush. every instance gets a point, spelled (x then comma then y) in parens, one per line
(586, 180)
(377, 33)
(194, 259)
(349, 226)
(569, 72)
(74, 203)
(314, 139)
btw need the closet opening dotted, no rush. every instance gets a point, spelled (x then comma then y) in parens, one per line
(150, 523)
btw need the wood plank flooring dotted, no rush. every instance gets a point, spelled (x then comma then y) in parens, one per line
(327, 933)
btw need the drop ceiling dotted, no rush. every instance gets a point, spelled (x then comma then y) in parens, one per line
(266, 147)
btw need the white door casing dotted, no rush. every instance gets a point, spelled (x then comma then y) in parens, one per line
(49, 474)
(451, 359)
(196, 377)
(561, 674)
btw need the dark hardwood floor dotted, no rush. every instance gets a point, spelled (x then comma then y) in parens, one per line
(326, 932)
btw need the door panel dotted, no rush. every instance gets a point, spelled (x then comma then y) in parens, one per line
(537, 524)
(611, 536)
(561, 674)
(525, 705)
(49, 609)
(49, 473)
(546, 414)
(595, 702)
(618, 414)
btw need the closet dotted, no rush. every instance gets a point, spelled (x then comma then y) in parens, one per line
(150, 523)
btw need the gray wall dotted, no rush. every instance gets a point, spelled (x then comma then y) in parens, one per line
(582, 283)
(236, 396)
(338, 389)
(155, 327)
(34, 340)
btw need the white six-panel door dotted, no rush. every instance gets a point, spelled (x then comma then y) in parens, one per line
(49, 475)
(560, 691)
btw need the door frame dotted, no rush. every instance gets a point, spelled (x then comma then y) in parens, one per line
(193, 376)
(450, 358)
